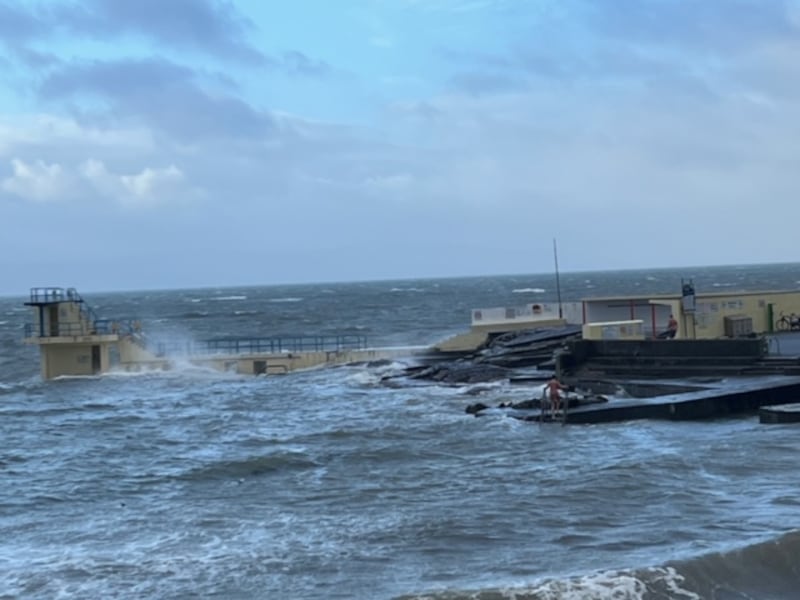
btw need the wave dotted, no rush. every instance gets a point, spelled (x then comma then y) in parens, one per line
(251, 467)
(410, 289)
(289, 299)
(529, 291)
(766, 570)
(225, 298)
(196, 314)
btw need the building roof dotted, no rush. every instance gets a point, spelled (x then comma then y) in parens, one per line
(650, 297)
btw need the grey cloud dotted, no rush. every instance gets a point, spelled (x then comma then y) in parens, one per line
(18, 25)
(211, 26)
(35, 59)
(297, 63)
(483, 82)
(160, 93)
(714, 26)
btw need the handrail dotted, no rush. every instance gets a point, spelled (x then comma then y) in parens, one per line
(271, 345)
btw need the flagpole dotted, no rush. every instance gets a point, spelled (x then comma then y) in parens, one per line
(558, 280)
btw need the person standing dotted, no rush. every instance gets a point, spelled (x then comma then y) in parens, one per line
(554, 389)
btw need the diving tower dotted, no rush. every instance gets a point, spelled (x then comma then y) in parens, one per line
(73, 340)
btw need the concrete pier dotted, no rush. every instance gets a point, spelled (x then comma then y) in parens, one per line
(714, 400)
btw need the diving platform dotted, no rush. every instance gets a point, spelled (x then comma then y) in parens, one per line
(74, 341)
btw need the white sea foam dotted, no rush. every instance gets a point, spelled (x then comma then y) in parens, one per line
(607, 585)
(68, 377)
(364, 378)
(528, 291)
(289, 299)
(222, 298)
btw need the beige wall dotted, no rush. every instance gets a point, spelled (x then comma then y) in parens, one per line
(275, 364)
(615, 330)
(71, 359)
(709, 318)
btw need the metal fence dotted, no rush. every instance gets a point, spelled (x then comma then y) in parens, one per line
(267, 345)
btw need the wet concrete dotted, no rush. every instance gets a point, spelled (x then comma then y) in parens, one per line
(782, 413)
(690, 401)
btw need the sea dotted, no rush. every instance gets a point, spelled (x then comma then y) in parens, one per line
(355, 483)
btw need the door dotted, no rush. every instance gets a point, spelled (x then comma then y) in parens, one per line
(53, 319)
(95, 360)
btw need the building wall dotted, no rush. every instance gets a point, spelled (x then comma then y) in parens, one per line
(71, 359)
(707, 322)
(615, 330)
(764, 308)
(529, 315)
(654, 316)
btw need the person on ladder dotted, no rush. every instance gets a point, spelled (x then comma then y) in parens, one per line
(554, 388)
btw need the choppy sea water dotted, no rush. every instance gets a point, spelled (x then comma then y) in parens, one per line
(330, 484)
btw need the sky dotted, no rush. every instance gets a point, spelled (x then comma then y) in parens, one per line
(159, 144)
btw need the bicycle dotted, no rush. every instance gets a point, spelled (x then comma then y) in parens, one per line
(790, 322)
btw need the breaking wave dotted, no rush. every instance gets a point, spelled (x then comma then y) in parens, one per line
(528, 291)
(767, 570)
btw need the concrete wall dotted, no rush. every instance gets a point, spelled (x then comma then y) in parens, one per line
(130, 352)
(744, 348)
(60, 319)
(707, 322)
(72, 359)
(614, 330)
(277, 364)
(653, 312)
(529, 315)
(711, 311)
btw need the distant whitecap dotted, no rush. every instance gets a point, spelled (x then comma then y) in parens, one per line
(528, 291)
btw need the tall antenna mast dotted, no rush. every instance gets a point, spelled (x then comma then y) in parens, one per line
(558, 280)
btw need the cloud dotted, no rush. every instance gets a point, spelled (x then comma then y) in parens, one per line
(160, 93)
(36, 181)
(297, 63)
(209, 26)
(148, 187)
(483, 82)
(18, 25)
(40, 181)
(733, 26)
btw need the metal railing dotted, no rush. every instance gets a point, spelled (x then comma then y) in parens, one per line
(270, 345)
(73, 328)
